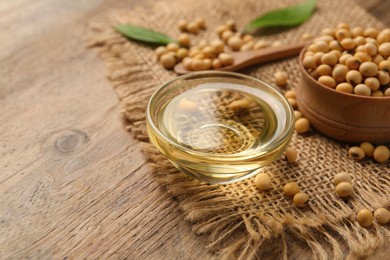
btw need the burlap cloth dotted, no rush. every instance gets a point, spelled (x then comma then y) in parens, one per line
(240, 221)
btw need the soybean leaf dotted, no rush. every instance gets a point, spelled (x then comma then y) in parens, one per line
(143, 34)
(290, 16)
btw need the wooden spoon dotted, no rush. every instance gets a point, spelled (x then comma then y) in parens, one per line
(243, 59)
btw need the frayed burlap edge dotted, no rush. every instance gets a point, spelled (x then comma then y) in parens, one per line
(233, 233)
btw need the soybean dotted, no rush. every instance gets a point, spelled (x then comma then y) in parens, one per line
(381, 154)
(356, 153)
(184, 40)
(329, 59)
(168, 61)
(302, 125)
(291, 155)
(263, 181)
(339, 73)
(368, 149)
(372, 83)
(324, 70)
(368, 69)
(235, 43)
(300, 199)
(362, 90)
(280, 78)
(384, 49)
(382, 216)
(345, 87)
(291, 188)
(354, 77)
(309, 62)
(365, 218)
(344, 189)
(327, 81)
(226, 59)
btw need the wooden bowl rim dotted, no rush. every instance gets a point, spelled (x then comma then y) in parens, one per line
(332, 90)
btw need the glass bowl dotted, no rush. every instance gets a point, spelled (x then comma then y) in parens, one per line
(219, 127)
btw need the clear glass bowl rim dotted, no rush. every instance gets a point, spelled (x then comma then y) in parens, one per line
(286, 132)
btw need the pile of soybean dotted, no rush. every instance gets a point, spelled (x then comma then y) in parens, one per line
(351, 60)
(206, 55)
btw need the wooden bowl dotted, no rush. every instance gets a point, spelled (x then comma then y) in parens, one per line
(342, 116)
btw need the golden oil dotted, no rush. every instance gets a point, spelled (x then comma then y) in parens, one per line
(221, 131)
(217, 120)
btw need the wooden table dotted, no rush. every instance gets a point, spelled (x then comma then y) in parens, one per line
(73, 181)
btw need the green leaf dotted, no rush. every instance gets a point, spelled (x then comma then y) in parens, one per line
(143, 34)
(290, 16)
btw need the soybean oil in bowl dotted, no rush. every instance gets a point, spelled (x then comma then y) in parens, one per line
(221, 128)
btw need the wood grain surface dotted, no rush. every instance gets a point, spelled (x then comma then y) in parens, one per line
(73, 181)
